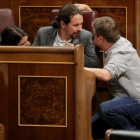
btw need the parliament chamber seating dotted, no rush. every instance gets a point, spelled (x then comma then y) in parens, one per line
(6, 18)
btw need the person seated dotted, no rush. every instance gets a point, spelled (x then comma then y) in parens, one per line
(14, 36)
(66, 30)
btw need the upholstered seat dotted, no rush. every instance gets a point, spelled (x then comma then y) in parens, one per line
(6, 18)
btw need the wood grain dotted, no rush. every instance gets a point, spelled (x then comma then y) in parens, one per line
(4, 98)
(118, 14)
(33, 18)
(137, 21)
(42, 101)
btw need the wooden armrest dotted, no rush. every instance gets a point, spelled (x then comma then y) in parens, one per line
(90, 83)
(2, 132)
(90, 86)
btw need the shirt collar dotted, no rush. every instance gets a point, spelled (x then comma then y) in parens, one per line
(114, 45)
(61, 41)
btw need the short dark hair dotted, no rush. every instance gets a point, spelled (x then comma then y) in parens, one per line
(65, 14)
(107, 28)
(12, 35)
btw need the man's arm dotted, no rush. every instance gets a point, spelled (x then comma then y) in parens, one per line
(101, 74)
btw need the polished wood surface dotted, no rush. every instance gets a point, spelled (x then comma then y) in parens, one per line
(90, 90)
(41, 132)
(14, 5)
(114, 11)
(51, 54)
(25, 104)
(33, 18)
(137, 21)
(4, 4)
(2, 132)
(39, 96)
(80, 108)
(4, 98)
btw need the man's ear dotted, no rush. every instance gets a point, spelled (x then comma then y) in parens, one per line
(101, 39)
(62, 23)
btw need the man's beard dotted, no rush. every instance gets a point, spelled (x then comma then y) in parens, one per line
(74, 36)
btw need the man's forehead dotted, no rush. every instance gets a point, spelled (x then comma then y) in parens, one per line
(77, 18)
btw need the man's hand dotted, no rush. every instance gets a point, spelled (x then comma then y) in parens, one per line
(68, 44)
(83, 7)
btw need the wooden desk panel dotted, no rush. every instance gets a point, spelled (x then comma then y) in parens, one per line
(4, 98)
(48, 131)
(77, 115)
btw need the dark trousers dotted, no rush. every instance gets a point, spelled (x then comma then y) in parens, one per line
(118, 113)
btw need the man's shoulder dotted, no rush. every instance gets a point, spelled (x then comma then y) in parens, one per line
(47, 28)
(123, 45)
(85, 33)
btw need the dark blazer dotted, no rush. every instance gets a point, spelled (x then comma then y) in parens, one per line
(46, 36)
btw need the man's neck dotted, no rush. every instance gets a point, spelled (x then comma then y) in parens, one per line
(106, 46)
(63, 35)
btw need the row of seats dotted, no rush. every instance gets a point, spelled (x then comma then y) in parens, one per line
(7, 18)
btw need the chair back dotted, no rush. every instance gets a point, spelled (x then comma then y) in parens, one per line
(6, 18)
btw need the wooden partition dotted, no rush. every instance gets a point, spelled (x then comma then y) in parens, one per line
(45, 93)
(2, 132)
